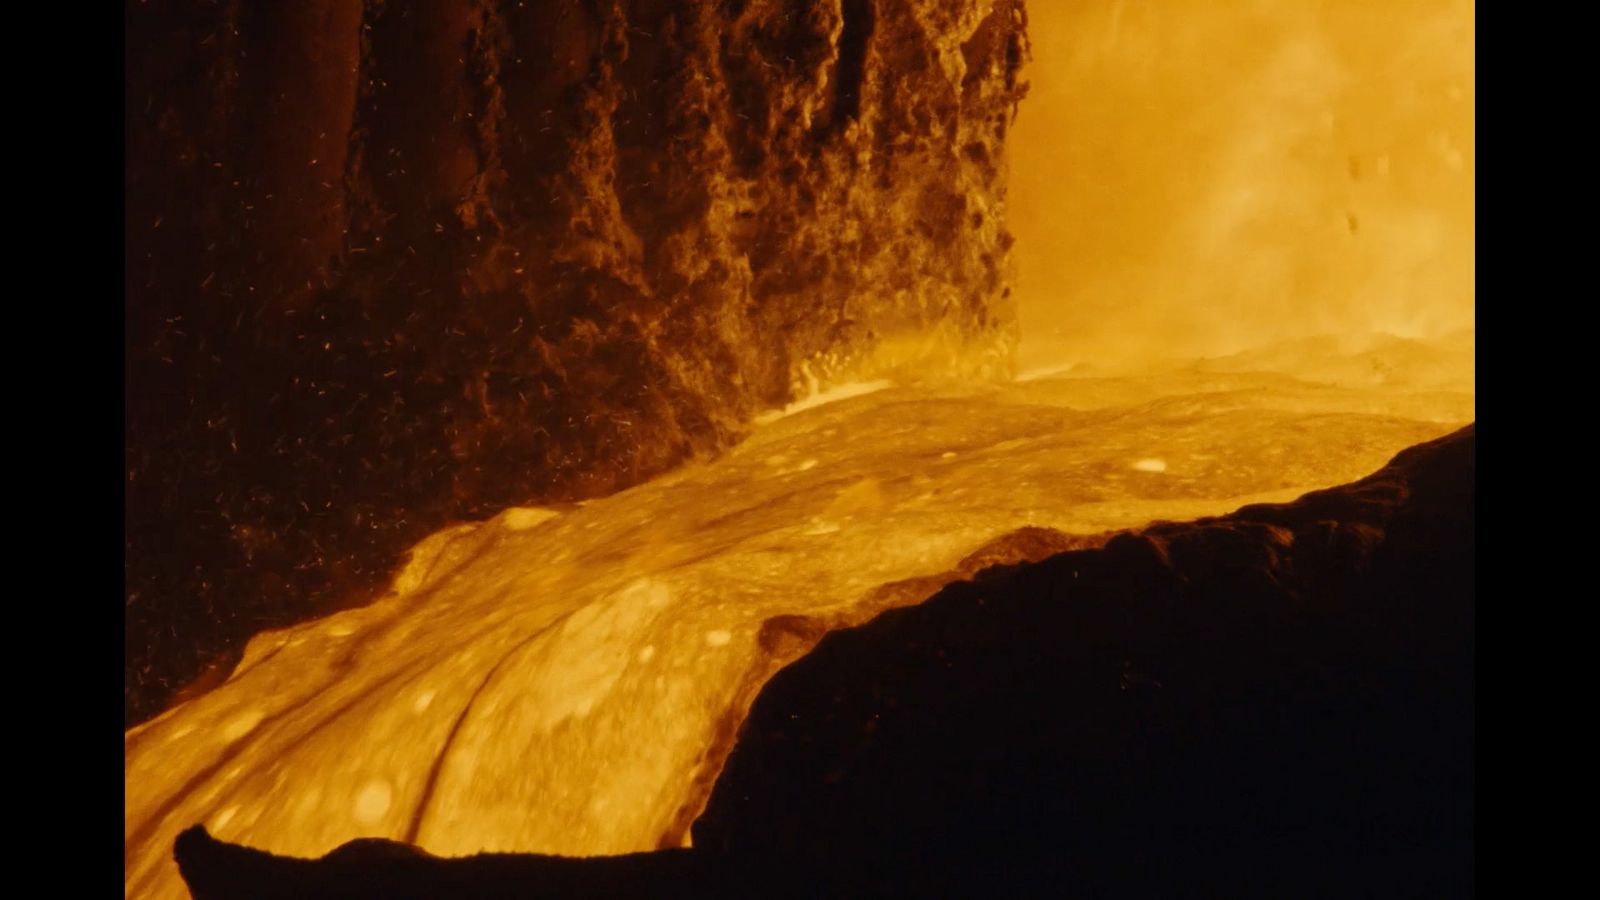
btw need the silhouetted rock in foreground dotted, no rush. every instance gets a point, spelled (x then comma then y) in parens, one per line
(1273, 703)
(378, 868)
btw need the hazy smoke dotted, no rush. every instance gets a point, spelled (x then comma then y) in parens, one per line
(1196, 176)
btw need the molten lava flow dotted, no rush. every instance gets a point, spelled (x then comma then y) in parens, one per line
(566, 681)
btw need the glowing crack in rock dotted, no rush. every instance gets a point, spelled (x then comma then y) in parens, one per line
(556, 683)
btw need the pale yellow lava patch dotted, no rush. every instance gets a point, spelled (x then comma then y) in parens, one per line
(372, 804)
(718, 638)
(309, 801)
(241, 724)
(423, 701)
(1150, 465)
(522, 518)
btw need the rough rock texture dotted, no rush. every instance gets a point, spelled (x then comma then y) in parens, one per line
(393, 264)
(1278, 702)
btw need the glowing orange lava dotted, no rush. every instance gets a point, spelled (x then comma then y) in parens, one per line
(1271, 192)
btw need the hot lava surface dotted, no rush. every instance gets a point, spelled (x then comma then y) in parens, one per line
(570, 681)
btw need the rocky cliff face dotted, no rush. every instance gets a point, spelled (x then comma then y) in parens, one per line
(393, 264)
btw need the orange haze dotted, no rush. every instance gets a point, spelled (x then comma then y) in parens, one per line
(1198, 176)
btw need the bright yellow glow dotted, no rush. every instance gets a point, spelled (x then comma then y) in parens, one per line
(1198, 176)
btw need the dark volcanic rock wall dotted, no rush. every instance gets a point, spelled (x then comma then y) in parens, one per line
(391, 264)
